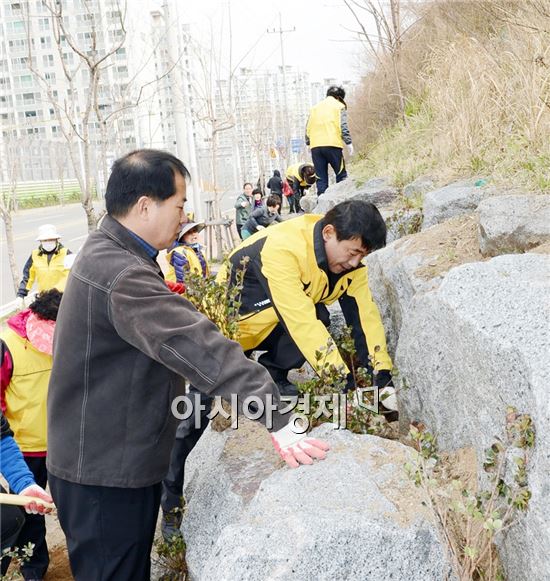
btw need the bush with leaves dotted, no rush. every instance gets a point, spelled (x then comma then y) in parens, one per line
(18, 557)
(470, 519)
(331, 380)
(220, 303)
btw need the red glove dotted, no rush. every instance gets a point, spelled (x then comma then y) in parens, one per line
(36, 492)
(176, 287)
(296, 448)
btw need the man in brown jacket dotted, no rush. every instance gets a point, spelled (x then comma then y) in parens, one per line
(123, 345)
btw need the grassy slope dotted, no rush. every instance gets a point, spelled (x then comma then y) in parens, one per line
(478, 100)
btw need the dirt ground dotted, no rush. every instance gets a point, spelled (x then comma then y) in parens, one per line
(448, 244)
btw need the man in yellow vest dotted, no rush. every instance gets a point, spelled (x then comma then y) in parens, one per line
(326, 133)
(48, 265)
(299, 177)
(25, 367)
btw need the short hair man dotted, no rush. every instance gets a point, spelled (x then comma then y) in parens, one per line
(326, 133)
(123, 344)
(296, 269)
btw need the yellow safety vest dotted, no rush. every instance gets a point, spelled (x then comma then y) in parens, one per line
(194, 264)
(293, 172)
(26, 394)
(323, 126)
(48, 276)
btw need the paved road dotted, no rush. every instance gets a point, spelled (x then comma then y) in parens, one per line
(70, 222)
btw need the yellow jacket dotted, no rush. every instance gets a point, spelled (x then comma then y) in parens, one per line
(293, 173)
(288, 271)
(26, 393)
(47, 275)
(183, 259)
(327, 124)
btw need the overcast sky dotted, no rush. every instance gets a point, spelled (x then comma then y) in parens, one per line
(322, 42)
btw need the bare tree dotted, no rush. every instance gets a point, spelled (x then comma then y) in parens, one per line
(385, 44)
(10, 171)
(89, 111)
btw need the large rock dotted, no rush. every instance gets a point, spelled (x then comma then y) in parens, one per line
(419, 187)
(512, 224)
(453, 200)
(468, 349)
(417, 264)
(355, 515)
(379, 191)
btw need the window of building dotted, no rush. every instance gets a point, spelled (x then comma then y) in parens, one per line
(23, 81)
(49, 76)
(30, 114)
(15, 27)
(44, 24)
(45, 42)
(47, 60)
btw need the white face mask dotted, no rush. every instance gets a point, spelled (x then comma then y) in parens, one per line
(49, 245)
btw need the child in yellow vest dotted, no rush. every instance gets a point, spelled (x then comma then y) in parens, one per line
(25, 367)
(187, 255)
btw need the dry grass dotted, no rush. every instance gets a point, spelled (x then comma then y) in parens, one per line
(476, 76)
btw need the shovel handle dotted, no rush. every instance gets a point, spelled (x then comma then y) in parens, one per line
(18, 500)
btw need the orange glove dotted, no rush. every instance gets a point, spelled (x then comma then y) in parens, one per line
(176, 287)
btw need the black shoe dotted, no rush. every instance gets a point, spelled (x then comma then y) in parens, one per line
(287, 389)
(389, 415)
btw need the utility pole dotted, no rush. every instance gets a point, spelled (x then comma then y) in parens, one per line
(281, 31)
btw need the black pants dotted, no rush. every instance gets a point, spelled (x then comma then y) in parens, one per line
(33, 529)
(109, 531)
(294, 201)
(281, 352)
(239, 228)
(12, 519)
(323, 157)
(187, 436)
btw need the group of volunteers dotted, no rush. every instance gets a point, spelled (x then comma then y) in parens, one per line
(89, 405)
(326, 134)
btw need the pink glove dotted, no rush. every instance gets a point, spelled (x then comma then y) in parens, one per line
(296, 448)
(37, 492)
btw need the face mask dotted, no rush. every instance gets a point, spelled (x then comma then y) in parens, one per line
(49, 246)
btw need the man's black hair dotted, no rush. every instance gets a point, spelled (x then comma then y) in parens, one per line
(358, 219)
(337, 93)
(272, 200)
(247, 184)
(145, 172)
(46, 304)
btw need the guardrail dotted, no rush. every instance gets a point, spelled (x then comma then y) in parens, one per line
(7, 309)
(39, 193)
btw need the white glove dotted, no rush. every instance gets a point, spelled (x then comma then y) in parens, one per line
(350, 149)
(296, 448)
(260, 227)
(387, 397)
(19, 303)
(37, 492)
